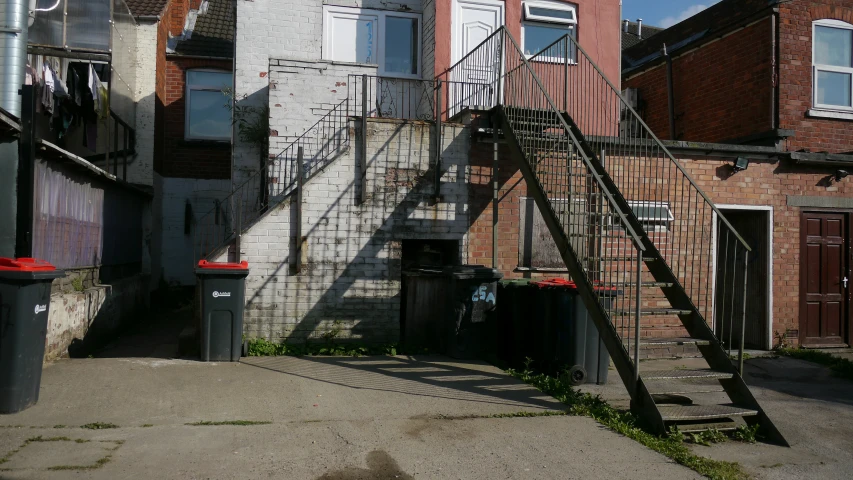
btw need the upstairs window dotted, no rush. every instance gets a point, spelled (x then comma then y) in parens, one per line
(207, 114)
(391, 40)
(833, 65)
(545, 23)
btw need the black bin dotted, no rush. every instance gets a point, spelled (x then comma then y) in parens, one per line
(473, 296)
(24, 307)
(575, 348)
(223, 292)
(450, 310)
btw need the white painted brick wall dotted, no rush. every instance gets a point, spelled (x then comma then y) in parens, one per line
(301, 92)
(141, 168)
(291, 29)
(350, 281)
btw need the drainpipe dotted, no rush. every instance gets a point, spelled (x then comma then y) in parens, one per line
(14, 15)
(15, 189)
(670, 92)
(774, 70)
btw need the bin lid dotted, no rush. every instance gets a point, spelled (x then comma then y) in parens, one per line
(205, 265)
(25, 264)
(569, 284)
(473, 272)
(556, 282)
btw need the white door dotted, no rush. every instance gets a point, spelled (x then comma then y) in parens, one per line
(476, 81)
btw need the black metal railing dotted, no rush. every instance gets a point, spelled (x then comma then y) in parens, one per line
(386, 97)
(610, 184)
(319, 146)
(674, 212)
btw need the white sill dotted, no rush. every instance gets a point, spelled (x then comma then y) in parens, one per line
(833, 114)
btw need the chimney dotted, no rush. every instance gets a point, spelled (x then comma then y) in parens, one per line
(625, 24)
(640, 27)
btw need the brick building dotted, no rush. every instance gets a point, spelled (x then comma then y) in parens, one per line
(190, 125)
(766, 85)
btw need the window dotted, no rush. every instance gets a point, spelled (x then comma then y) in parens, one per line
(207, 114)
(391, 40)
(654, 216)
(545, 23)
(833, 65)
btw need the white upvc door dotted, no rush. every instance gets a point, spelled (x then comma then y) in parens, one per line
(476, 82)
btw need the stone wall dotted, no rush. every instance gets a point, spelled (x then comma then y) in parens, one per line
(79, 321)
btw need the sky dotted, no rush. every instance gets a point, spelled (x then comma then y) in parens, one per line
(663, 13)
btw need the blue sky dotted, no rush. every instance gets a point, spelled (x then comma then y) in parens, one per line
(663, 14)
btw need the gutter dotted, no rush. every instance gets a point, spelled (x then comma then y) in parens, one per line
(148, 18)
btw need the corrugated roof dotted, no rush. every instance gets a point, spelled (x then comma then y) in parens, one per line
(630, 38)
(213, 35)
(145, 8)
(707, 23)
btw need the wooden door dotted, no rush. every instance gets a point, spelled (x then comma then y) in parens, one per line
(824, 279)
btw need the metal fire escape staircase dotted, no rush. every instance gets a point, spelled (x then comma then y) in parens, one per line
(584, 152)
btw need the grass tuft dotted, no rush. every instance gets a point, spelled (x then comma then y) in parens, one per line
(259, 347)
(841, 367)
(625, 423)
(146, 425)
(241, 423)
(99, 426)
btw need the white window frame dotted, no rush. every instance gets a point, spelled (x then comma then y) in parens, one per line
(651, 224)
(828, 68)
(188, 88)
(554, 22)
(331, 12)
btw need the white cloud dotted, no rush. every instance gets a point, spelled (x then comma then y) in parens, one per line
(667, 22)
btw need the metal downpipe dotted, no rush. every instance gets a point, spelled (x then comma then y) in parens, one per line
(14, 15)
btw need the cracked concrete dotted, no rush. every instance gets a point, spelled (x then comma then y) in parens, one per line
(332, 419)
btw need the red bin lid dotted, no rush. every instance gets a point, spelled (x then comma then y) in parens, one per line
(556, 282)
(25, 264)
(244, 265)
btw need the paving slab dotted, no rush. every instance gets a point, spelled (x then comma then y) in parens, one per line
(331, 419)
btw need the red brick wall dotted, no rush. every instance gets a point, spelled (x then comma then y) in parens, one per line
(174, 156)
(795, 77)
(722, 91)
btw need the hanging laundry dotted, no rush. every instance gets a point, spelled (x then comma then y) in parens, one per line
(47, 91)
(94, 87)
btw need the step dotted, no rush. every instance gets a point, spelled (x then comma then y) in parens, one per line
(722, 425)
(682, 386)
(643, 284)
(652, 342)
(686, 413)
(653, 312)
(679, 374)
(616, 259)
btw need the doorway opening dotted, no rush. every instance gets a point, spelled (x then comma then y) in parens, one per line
(755, 226)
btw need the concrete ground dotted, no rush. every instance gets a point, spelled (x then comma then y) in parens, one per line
(812, 409)
(331, 419)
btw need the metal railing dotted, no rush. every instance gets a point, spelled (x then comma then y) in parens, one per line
(320, 145)
(610, 184)
(672, 210)
(385, 97)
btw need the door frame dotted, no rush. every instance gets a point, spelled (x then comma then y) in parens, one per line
(455, 44)
(714, 235)
(848, 327)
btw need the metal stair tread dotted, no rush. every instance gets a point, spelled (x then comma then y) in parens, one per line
(673, 341)
(648, 312)
(616, 259)
(682, 386)
(683, 373)
(680, 413)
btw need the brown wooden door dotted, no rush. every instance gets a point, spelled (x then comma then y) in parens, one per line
(823, 298)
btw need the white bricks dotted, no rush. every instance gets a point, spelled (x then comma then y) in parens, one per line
(350, 281)
(140, 170)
